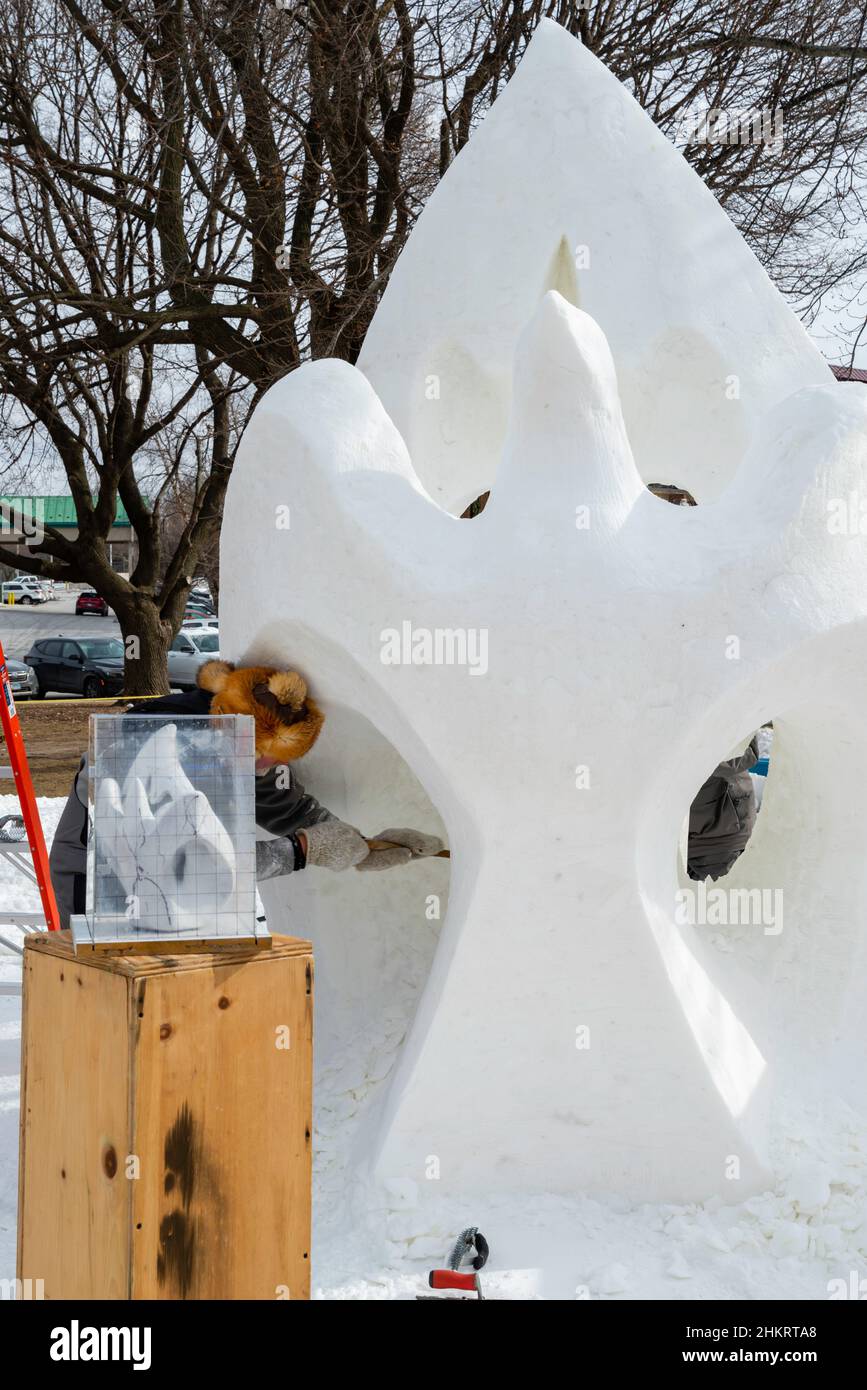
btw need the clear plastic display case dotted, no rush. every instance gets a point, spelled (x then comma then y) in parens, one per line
(171, 851)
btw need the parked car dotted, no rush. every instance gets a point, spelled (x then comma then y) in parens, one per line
(188, 652)
(89, 601)
(200, 605)
(209, 624)
(36, 582)
(90, 666)
(22, 678)
(16, 592)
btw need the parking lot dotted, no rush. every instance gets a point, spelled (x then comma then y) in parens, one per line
(22, 624)
(54, 735)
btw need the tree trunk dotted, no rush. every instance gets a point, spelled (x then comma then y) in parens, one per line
(146, 639)
(210, 568)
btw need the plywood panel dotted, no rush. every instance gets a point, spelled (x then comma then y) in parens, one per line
(165, 1132)
(74, 1199)
(135, 965)
(222, 1129)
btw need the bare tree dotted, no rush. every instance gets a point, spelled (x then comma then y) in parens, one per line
(198, 195)
(178, 509)
(150, 292)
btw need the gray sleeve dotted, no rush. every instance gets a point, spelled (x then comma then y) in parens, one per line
(67, 861)
(747, 759)
(274, 858)
(283, 806)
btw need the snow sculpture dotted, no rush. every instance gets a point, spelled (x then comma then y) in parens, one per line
(162, 862)
(568, 185)
(560, 674)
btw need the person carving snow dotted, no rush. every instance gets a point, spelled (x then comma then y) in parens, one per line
(287, 724)
(722, 816)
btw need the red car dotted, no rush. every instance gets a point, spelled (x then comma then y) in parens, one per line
(91, 602)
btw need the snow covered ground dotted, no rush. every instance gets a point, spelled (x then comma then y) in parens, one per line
(789, 1243)
(15, 894)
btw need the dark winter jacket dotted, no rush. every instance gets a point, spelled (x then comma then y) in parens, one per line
(722, 817)
(281, 810)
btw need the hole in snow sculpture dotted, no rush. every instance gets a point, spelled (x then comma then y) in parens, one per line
(475, 508)
(722, 815)
(561, 765)
(670, 492)
(376, 934)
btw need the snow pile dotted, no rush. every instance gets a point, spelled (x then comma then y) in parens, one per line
(789, 1242)
(16, 894)
(805, 1237)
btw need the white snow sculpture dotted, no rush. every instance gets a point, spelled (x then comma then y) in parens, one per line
(568, 185)
(573, 1032)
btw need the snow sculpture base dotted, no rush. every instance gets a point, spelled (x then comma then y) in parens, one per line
(558, 677)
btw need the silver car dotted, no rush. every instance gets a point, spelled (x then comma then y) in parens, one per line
(22, 678)
(188, 652)
(200, 625)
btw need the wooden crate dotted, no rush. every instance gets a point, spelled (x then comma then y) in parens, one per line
(166, 1122)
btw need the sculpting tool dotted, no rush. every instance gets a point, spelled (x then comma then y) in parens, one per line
(389, 844)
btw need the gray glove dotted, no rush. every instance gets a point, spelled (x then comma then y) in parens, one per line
(409, 844)
(332, 844)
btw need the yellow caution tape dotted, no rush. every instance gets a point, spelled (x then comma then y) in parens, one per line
(97, 700)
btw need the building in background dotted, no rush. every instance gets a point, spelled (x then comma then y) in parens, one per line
(22, 517)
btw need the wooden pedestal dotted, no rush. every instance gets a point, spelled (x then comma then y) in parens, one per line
(166, 1123)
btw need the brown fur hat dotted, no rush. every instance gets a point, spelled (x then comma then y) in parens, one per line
(287, 720)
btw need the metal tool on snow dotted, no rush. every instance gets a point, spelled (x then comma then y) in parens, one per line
(390, 844)
(469, 1248)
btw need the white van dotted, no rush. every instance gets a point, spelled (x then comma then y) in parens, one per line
(16, 592)
(33, 581)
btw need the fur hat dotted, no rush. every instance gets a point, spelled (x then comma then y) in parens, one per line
(287, 720)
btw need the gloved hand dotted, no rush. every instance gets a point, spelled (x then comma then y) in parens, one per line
(332, 844)
(409, 844)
